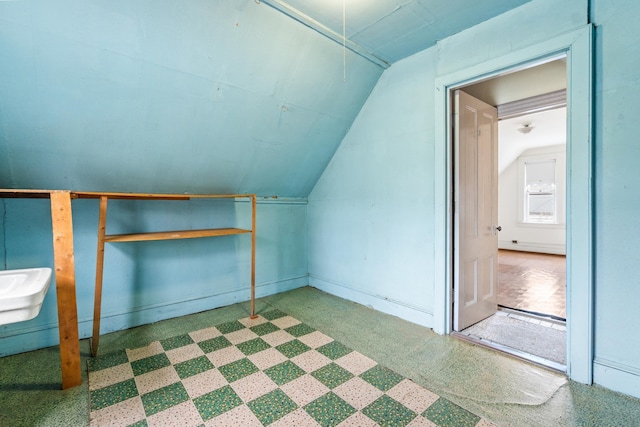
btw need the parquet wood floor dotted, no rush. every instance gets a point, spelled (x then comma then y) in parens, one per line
(532, 282)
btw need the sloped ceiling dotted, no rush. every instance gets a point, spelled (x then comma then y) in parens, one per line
(203, 96)
(391, 30)
(200, 96)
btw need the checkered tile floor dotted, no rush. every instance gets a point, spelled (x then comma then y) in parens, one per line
(273, 370)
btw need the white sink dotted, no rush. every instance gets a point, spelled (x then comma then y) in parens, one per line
(22, 293)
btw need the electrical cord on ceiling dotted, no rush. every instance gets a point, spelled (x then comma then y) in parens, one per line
(344, 41)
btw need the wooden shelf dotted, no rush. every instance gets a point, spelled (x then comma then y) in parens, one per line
(103, 238)
(62, 225)
(170, 235)
(154, 196)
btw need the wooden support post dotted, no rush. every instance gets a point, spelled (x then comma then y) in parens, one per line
(97, 298)
(62, 225)
(253, 256)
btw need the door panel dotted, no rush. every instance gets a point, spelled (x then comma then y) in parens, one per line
(475, 210)
(471, 292)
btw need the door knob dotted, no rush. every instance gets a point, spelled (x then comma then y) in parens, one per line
(499, 228)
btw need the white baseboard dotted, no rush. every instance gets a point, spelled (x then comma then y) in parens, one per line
(28, 339)
(545, 248)
(617, 377)
(395, 308)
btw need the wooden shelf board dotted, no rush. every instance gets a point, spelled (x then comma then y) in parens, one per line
(24, 194)
(152, 196)
(32, 193)
(170, 235)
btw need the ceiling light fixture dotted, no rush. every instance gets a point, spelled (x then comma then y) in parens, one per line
(526, 128)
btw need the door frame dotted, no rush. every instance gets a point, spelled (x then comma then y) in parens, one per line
(577, 45)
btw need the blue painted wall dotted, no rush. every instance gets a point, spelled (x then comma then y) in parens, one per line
(617, 231)
(149, 281)
(233, 97)
(371, 214)
(215, 96)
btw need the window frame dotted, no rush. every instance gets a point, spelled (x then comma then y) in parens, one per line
(529, 195)
(560, 183)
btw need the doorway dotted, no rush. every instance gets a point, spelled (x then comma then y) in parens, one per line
(509, 273)
(577, 45)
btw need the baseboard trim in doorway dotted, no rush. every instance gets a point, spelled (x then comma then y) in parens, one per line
(532, 358)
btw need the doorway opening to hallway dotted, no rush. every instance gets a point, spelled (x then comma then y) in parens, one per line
(509, 213)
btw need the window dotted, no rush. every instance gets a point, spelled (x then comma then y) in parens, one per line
(541, 188)
(540, 192)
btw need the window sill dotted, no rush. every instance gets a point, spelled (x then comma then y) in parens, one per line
(539, 225)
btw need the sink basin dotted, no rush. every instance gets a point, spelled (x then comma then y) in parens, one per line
(22, 293)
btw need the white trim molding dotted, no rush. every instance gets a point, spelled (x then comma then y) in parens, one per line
(617, 376)
(396, 308)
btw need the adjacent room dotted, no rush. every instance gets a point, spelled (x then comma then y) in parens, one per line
(328, 213)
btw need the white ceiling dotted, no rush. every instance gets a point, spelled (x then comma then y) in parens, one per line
(536, 80)
(386, 31)
(548, 128)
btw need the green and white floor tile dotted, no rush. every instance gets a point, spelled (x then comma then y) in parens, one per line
(269, 371)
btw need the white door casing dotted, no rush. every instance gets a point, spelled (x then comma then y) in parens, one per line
(475, 210)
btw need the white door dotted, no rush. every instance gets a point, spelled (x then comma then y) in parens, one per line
(475, 210)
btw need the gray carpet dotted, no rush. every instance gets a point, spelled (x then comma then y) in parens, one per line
(522, 335)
